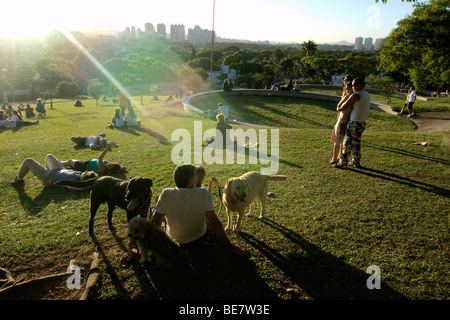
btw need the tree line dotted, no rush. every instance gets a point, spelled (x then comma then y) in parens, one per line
(416, 52)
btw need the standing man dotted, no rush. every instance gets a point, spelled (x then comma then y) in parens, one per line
(410, 99)
(360, 100)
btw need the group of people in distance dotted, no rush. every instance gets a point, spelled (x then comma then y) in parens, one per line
(12, 118)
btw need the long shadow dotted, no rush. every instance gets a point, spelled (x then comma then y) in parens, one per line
(135, 131)
(406, 153)
(35, 205)
(212, 274)
(402, 180)
(116, 281)
(320, 274)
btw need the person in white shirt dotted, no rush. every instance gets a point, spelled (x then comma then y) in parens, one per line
(189, 211)
(225, 110)
(131, 118)
(410, 99)
(360, 100)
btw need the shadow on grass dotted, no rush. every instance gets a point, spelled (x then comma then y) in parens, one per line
(135, 131)
(402, 180)
(212, 274)
(35, 205)
(406, 153)
(320, 274)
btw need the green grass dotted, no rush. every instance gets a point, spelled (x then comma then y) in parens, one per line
(322, 231)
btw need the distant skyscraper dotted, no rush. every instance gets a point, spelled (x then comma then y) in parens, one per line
(368, 44)
(149, 29)
(177, 33)
(358, 43)
(161, 30)
(199, 35)
(379, 43)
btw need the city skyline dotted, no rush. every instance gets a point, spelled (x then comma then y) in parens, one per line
(284, 21)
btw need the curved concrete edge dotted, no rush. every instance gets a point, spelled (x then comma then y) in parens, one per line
(263, 92)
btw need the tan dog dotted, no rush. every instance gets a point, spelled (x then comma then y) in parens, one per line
(241, 192)
(153, 241)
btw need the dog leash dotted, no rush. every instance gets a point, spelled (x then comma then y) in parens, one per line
(220, 200)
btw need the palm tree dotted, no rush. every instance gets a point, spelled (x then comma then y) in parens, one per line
(309, 47)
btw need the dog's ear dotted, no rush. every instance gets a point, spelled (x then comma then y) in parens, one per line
(228, 183)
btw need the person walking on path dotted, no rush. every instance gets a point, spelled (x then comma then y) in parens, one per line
(410, 99)
(360, 101)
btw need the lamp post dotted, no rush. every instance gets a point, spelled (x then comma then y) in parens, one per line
(212, 44)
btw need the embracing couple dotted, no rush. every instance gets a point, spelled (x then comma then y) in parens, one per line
(353, 111)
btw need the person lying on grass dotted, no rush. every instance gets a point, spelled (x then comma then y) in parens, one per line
(99, 165)
(52, 171)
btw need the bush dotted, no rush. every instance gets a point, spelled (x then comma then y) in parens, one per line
(67, 89)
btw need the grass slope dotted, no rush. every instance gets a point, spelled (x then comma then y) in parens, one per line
(323, 229)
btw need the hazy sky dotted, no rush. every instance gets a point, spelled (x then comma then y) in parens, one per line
(273, 20)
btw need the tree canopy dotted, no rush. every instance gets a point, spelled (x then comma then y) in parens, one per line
(419, 48)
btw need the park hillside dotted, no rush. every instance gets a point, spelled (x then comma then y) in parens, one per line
(326, 230)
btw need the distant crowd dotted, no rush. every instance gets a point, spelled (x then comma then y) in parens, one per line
(12, 117)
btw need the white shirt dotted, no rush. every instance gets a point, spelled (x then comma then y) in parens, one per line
(412, 96)
(131, 120)
(225, 111)
(360, 111)
(185, 211)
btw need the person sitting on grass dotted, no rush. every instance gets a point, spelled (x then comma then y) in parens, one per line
(49, 173)
(40, 108)
(118, 119)
(189, 211)
(131, 119)
(99, 165)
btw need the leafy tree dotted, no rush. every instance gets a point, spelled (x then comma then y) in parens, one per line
(95, 89)
(418, 47)
(67, 89)
(309, 47)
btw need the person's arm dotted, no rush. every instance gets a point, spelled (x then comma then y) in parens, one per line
(210, 182)
(101, 165)
(157, 218)
(353, 98)
(217, 228)
(343, 99)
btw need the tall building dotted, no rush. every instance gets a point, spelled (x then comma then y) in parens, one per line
(379, 43)
(199, 36)
(177, 33)
(368, 44)
(358, 43)
(149, 29)
(161, 30)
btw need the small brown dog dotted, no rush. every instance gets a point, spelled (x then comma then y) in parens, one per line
(153, 241)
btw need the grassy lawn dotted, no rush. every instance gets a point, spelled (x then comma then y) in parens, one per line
(323, 229)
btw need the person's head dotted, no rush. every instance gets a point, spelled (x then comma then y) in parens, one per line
(112, 167)
(200, 173)
(358, 84)
(348, 78)
(412, 88)
(220, 118)
(348, 87)
(219, 105)
(184, 175)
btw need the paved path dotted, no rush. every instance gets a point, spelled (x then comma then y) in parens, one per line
(432, 121)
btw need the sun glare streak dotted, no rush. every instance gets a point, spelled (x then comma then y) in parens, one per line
(99, 66)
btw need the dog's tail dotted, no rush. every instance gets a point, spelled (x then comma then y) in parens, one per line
(79, 185)
(276, 178)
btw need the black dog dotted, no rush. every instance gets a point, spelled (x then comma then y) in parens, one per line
(132, 195)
